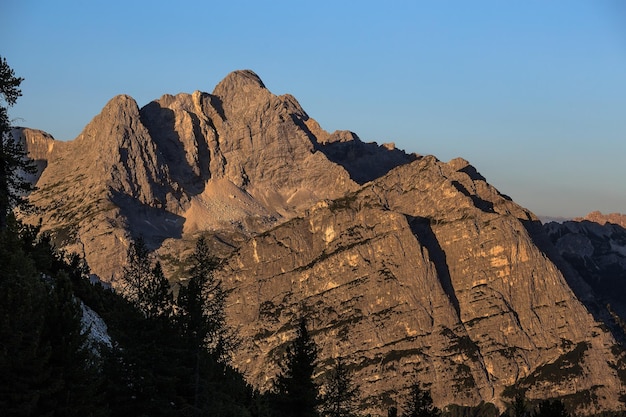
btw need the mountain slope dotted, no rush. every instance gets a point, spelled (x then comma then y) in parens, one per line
(401, 263)
(411, 274)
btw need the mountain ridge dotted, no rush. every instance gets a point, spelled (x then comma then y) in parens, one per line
(464, 345)
(400, 260)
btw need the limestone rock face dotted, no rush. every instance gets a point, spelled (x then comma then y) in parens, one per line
(232, 163)
(427, 269)
(39, 145)
(401, 263)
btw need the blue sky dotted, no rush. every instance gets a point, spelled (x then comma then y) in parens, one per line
(532, 93)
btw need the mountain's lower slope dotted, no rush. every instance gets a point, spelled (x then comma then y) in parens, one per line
(425, 271)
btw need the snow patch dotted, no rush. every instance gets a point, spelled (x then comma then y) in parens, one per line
(95, 328)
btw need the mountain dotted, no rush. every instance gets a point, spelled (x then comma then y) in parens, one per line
(402, 264)
(239, 161)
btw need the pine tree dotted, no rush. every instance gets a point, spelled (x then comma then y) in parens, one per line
(341, 395)
(45, 365)
(144, 285)
(519, 407)
(74, 367)
(14, 162)
(24, 352)
(296, 393)
(419, 403)
(202, 322)
(201, 306)
(148, 357)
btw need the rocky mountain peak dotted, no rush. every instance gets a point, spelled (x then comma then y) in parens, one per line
(600, 218)
(239, 80)
(240, 89)
(401, 261)
(428, 268)
(120, 107)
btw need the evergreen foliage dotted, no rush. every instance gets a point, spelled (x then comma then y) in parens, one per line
(419, 403)
(520, 407)
(295, 391)
(45, 365)
(171, 361)
(144, 283)
(47, 368)
(13, 160)
(340, 398)
(202, 324)
(201, 304)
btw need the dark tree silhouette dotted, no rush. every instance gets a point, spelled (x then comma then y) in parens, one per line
(144, 284)
(340, 398)
(14, 162)
(202, 320)
(46, 366)
(520, 407)
(296, 393)
(201, 305)
(551, 408)
(419, 403)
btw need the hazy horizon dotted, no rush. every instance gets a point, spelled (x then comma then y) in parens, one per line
(533, 94)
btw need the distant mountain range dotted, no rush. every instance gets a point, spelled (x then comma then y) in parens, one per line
(404, 265)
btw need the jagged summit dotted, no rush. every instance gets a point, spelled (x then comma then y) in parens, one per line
(240, 89)
(239, 80)
(119, 108)
(598, 217)
(121, 100)
(402, 261)
(165, 161)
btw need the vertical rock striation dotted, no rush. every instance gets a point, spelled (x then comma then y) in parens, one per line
(430, 270)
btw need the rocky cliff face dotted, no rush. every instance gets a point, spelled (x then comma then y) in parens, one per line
(402, 264)
(429, 270)
(39, 145)
(237, 161)
(595, 247)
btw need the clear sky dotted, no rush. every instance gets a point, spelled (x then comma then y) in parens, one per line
(532, 93)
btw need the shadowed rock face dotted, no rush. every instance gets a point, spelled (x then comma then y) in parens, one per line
(596, 250)
(402, 263)
(408, 274)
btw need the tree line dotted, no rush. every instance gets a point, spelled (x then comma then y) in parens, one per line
(169, 356)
